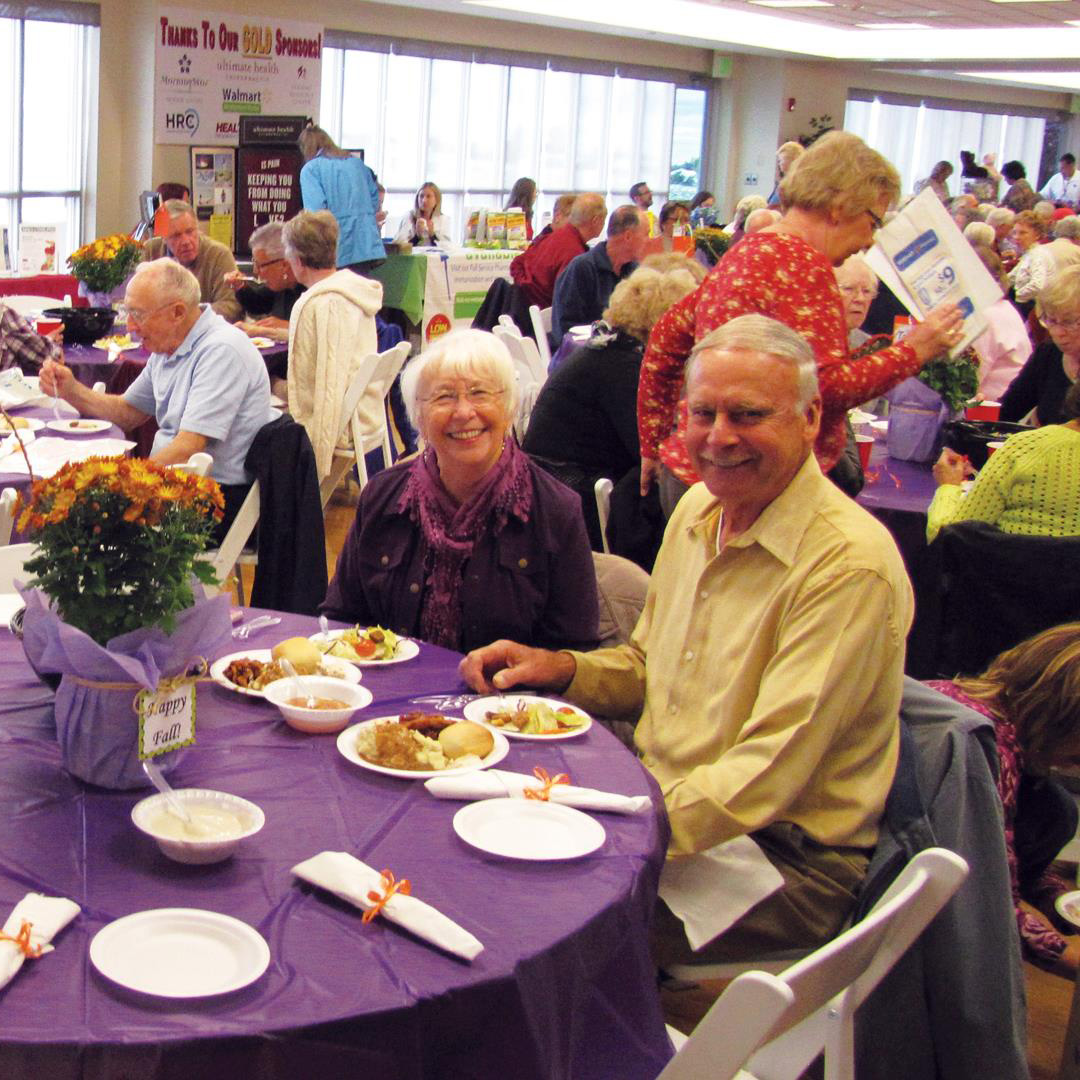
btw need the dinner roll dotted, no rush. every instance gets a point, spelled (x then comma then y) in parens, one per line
(465, 737)
(300, 652)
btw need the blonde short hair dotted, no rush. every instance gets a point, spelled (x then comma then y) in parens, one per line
(639, 301)
(1060, 297)
(311, 237)
(839, 171)
(979, 232)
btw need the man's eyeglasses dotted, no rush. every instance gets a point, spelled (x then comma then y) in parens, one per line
(138, 315)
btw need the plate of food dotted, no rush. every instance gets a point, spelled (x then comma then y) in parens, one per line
(1068, 907)
(116, 342)
(526, 716)
(418, 746)
(79, 426)
(20, 423)
(250, 670)
(262, 342)
(366, 646)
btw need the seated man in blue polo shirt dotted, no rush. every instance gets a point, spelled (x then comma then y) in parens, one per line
(205, 383)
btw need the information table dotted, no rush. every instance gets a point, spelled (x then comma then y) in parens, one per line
(564, 987)
(441, 290)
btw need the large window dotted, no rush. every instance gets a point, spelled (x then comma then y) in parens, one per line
(473, 127)
(915, 136)
(48, 134)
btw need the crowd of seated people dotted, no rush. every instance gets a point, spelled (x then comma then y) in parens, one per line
(774, 594)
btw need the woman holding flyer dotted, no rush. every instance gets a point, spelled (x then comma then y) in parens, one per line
(834, 199)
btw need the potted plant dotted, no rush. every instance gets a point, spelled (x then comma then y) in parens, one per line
(920, 407)
(103, 266)
(112, 605)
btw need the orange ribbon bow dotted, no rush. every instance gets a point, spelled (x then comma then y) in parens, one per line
(22, 941)
(390, 886)
(544, 793)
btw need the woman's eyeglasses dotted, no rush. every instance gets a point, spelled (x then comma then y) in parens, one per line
(477, 396)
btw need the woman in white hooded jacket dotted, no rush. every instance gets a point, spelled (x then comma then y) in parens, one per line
(331, 329)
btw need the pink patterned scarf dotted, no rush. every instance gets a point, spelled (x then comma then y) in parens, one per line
(450, 531)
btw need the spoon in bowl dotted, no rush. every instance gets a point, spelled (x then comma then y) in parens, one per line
(176, 807)
(297, 690)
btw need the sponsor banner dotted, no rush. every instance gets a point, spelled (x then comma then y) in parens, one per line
(211, 70)
(455, 286)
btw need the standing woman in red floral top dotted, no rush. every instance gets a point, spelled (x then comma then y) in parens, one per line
(1032, 693)
(834, 199)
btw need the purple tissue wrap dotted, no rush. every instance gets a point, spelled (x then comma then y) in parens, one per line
(917, 418)
(97, 728)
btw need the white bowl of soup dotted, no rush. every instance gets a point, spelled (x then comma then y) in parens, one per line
(219, 822)
(333, 702)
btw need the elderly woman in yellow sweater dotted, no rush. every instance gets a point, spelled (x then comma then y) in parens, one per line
(1028, 487)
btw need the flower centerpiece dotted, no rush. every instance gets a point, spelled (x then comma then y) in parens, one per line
(104, 265)
(112, 605)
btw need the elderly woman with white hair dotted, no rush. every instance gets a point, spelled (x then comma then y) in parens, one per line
(470, 541)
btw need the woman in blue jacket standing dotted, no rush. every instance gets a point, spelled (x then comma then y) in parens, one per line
(332, 179)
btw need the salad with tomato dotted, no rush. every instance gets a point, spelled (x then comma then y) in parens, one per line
(363, 643)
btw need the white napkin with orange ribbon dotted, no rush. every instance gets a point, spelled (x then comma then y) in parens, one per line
(500, 784)
(46, 916)
(352, 880)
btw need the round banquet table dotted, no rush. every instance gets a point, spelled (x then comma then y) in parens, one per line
(564, 987)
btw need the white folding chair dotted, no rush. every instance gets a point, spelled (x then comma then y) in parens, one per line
(602, 492)
(541, 324)
(531, 373)
(7, 514)
(507, 323)
(30, 305)
(375, 375)
(227, 558)
(822, 991)
(198, 464)
(12, 557)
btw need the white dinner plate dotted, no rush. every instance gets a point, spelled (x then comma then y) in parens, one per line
(29, 423)
(477, 712)
(180, 953)
(346, 744)
(339, 669)
(79, 426)
(407, 649)
(262, 342)
(528, 829)
(1068, 907)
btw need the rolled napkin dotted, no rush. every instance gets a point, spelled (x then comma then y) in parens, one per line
(499, 784)
(45, 917)
(355, 882)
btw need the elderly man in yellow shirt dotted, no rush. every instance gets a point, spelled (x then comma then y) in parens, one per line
(768, 661)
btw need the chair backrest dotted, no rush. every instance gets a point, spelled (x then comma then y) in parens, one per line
(7, 514)
(506, 321)
(622, 586)
(374, 374)
(997, 589)
(247, 517)
(12, 557)
(198, 464)
(30, 305)
(541, 324)
(602, 492)
(826, 987)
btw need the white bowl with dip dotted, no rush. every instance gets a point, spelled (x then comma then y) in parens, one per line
(225, 819)
(324, 720)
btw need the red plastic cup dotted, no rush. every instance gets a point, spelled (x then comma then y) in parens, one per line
(47, 326)
(865, 443)
(993, 447)
(984, 410)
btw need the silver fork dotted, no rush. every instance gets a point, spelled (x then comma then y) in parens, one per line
(445, 701)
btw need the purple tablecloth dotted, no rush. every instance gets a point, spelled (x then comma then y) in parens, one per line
(564, 987)
(896, 485)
